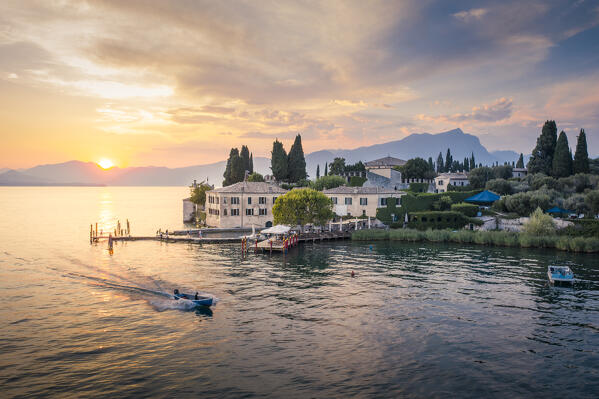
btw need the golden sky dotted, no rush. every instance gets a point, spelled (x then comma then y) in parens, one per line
(180, 82)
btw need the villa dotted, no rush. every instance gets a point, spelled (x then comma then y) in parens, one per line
(382, 173)
(519, 172)
(243, 204)
(444, 180)
(360, 201)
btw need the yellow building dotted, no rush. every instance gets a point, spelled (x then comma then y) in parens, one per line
(360, 201)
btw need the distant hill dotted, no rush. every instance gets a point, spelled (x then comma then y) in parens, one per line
(416, 145)
(422, 145)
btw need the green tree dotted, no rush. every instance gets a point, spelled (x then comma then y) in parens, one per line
(234, 172)
(198, 193)
(448, 161)
(303, 206)
(317, 171)
(356, 181)
(502, 172)
(520, 163)
(541, 160)
(443, 203)
(296, 161)
(431, 164)
(245, 157)
(337, 167)
(466, 165)
(256, 177)
(479, 177)
(440, 164)
(278, 161)
(416, 168)
(251, 163)
(328, 182)
(499, 186)
(562, 158)
(539, 224)
(472, 162)
(592, 201)
(581, 156)
(326, 169)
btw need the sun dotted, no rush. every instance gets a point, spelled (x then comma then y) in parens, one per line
(105, 163)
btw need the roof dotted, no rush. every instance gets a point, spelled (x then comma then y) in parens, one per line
(458, 176)
(360, 190)
(520, 170)
(484, 197)
(251, 188)
(387, 161)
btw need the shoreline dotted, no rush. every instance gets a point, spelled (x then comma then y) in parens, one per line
(488, 238)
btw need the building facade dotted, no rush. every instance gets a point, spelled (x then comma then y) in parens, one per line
(360, 201)
(444, 180)
(384, 166)
(242, 205)
(519, 172)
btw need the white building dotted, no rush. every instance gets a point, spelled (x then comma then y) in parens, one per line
(519, 172)
(242, 204)
(384, 166)
(360, 201)
(444, 180)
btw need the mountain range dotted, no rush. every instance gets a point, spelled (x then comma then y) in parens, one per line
(422, 145)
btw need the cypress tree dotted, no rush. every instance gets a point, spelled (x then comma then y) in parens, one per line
(296, 161)
(245, 157)
(278, 161)
(581, 156)
(520, 163)
(234, 171)
(326, 168)
(472, 162)
(541, 160)
(251, 163)
(317, 171)
(562, 158)
(448, 161)
(440, 164)
(431, 164)
(466, 165)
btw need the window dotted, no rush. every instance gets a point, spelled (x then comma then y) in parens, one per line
(440, 182)
(262, 200)
(347, 200)
(225, 212)
(249, 200)
(383, 201)
(262, 212)
(274, 199)
(225, 200)
(363, 201)
(234, 200)
(363, 212)
(235, 212)
(249, 212)
(217, 200)
(334, 199)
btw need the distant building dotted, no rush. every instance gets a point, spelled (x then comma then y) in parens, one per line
(519, 172)
(360, 201)
(444, 180)
(242, 204)
(381, 173)
(384, 166)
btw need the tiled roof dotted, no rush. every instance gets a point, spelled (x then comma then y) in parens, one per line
(452, 176)
(387, 161)
(360, 190)
(250, 187)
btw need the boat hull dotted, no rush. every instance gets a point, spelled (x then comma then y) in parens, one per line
(559, 275)
(201, 301)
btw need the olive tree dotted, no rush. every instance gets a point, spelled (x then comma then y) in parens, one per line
(303, 206)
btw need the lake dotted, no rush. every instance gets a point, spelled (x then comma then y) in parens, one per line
(418, 320)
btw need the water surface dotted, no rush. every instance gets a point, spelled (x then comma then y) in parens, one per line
(418, 320)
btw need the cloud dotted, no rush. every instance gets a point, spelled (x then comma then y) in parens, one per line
(472, 14)
(500, 110)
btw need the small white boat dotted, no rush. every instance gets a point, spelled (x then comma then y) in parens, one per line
(198, 300)
(560, 275)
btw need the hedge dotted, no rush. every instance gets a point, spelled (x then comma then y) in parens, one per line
(384, 214)
(469, 210)
(437, 220)
(582, 228)
(418, 187)
(424, 202)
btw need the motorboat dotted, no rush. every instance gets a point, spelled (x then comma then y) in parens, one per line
(198, 300)
(560, 275)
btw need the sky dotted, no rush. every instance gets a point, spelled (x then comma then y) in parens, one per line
(179, 83)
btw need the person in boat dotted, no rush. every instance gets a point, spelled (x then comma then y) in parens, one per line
(196, 297)
(176, 292)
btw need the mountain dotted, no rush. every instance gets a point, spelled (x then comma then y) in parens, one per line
(422, 145)
(89, 173)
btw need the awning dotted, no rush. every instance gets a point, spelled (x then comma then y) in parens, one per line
(557, 209)
(278, 229)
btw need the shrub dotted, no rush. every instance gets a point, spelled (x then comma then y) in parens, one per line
(592, 201)
(437, 220)
(442, 204)
(499, 186)
(469, 210)
(418, 187)
(328, 182)
(356, 181)
(391, 213)
(539, 224)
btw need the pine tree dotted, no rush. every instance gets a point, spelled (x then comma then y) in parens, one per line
(251, 163)
(541, 160)
(234, 172)
(278, 161)
(317, 171)
(440, 164)
(581, 156)
(562, 158)
(448, 161)
(296, 161)
(326, 168)
(245, 158)
(520, 163)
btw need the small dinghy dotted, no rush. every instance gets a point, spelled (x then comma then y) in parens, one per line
(199, 300)
(560, 275)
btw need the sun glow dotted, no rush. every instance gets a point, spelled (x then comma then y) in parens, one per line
(105, 163)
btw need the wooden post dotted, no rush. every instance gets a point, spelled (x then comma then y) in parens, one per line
(96, 229)
(256, 248)
(270, 241)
